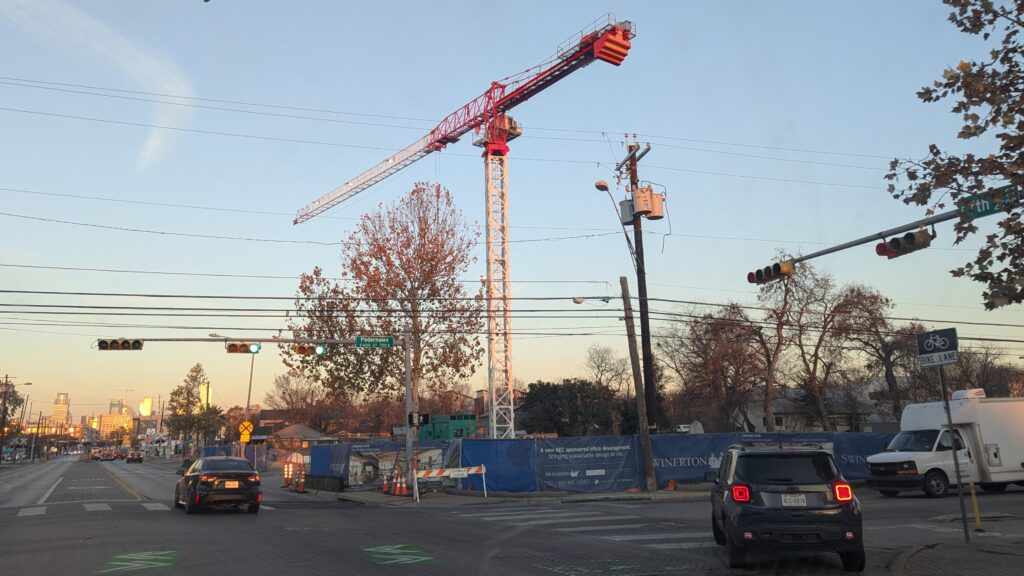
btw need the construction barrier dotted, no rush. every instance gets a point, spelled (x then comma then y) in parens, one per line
(454, 473)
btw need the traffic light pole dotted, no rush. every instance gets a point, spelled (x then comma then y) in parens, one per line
(883, 235)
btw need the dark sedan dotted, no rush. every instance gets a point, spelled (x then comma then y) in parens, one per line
(218, 481)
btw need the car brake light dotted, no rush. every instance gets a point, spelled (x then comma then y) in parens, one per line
(741, 493)
(205, 478)
(254, 478)
(843, 492)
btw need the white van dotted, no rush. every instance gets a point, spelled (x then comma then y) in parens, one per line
(988, 435)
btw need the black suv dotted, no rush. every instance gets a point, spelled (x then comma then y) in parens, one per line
(784, 499)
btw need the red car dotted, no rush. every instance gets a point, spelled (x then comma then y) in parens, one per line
(133, 457)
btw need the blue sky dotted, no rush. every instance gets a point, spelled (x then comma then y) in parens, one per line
(771, 126)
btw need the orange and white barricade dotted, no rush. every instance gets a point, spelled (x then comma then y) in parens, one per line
(453, 473)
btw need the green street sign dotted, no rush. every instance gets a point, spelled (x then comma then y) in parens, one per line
(139, 561)
(375, 341)
(399, 554)
(995, 200)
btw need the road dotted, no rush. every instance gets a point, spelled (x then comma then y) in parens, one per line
(71, 517)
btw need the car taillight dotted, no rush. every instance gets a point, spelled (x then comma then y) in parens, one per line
(741, 493)
(205, 478)
(843, 492)
(254, 478)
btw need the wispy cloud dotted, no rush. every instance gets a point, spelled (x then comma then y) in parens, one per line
(66, 29)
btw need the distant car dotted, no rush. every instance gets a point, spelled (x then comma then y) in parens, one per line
(682, 429)
(218, 481)
(783, 500)
(133, 457)
(108, 455)
(119, 455)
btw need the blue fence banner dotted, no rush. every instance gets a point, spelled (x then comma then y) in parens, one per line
(511, 466)
(588, 464)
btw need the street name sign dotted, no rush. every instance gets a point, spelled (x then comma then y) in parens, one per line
(937, 347)
(375, 341)
(996, 200)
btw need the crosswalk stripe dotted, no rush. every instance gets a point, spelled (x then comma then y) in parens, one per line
(608, 527)
(540, 515)
(96, 507)
(680, 545)
(567, 520)
(666, 536)
(154, 506)
(509, 511)
(32, 511)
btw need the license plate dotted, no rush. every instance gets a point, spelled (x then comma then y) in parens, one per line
(794, 500)
(231, 483)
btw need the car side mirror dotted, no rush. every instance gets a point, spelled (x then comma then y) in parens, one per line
(711, 476)
(180, 471)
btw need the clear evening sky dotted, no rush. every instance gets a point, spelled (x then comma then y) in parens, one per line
(772, 124)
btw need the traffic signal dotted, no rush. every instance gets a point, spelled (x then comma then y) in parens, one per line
(909, 242)
(417, 418)
(119, 344)
(307, 349)
(242, 347)
(773, 272)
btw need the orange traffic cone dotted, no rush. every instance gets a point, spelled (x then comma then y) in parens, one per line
(300, 484)
(403, 490)
(287, 476)
(385, 488)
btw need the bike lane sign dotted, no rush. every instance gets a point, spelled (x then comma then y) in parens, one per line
(937, 347)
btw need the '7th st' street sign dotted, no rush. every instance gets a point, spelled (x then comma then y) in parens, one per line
(937, 347)
(996, 200)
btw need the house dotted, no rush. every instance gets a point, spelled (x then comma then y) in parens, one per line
(794, 411)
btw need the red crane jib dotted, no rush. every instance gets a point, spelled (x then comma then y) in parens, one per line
(610, 45)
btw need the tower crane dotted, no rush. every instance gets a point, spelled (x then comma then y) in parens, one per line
(605, 39)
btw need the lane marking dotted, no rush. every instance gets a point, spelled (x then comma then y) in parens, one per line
(681, 545)
(265, 507)
(50, 491)
(139, 561)
(398, 554)
(32, 511)
(155, 506)
(609, 527)
(504, 512)
(568, 520)
(542, 515)
(667, 536)
(127, 488)
(96, 507)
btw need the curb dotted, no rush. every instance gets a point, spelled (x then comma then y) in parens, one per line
(899, 564)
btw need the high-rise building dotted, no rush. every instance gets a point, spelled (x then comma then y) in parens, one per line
(205, 394)
(116, 406)
(62, 409)
(112, 422)
(146, 407)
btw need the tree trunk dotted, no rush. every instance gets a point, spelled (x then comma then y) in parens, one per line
(890, 380)
(819, 402)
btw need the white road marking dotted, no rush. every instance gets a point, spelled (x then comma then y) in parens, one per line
(155, 506)
(561, 520)
(666, 536)
(265, 507)
(681, 545)
(50, 491)
(32, 511)
(508, 511)
(96, 507)
(608, 527)
(538, 515)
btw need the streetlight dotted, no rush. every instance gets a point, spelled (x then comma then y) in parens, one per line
(8, 386)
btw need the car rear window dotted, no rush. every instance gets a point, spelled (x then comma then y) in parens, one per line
(785, 468)
(223, 465)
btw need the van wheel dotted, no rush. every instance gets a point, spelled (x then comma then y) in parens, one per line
(889, 493)
(935, 484)
(853, 561)
(717, 532)
(993, 487)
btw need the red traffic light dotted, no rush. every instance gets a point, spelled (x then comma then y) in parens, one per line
(900, 245)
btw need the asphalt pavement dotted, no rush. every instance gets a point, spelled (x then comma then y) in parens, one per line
(71, 517)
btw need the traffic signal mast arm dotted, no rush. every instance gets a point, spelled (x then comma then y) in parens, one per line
(606, 40)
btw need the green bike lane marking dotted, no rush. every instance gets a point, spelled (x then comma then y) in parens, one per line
(399, 554)
(139, 561)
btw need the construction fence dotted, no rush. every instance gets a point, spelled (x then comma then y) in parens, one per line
(580, 464)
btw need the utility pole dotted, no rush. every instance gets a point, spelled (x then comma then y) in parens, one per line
(33, 449)
(641, 407)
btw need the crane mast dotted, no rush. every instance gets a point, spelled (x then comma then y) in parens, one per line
(605, 39)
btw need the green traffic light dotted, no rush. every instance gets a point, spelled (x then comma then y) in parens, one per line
(254, 347)
(320, 349)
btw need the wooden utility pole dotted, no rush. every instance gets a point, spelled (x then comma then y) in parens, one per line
(641, 408)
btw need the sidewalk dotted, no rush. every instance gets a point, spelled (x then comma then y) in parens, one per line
(984, 555)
